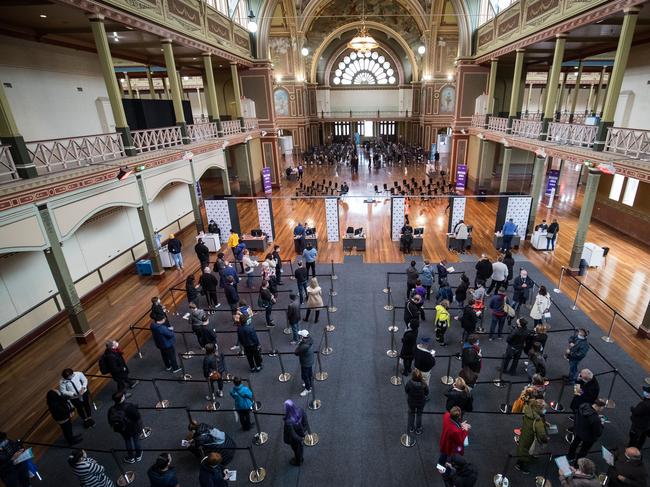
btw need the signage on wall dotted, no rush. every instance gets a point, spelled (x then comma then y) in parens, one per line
(461, 177)
(552, 179)
(266, 180)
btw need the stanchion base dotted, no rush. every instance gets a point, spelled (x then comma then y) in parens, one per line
(287, 331)
(391, 353)
(311, 439)
(229, 376)
(540, 481)
(285, 377)
(607, 339)
(385, 290)
(98, 404)
(162, 404)
(146, 433)
(273, 353)
(335, 277)
(498, 383)
(396, 380)
(407, 440)
(556, 291)
(256, 476)
(213, 406)
(257, 405)
(447, 380)
(504, 408)
(321, 376)
(315, 404)
(188, 355)
(187, 377)
(389, 307)
(332, 309)
(126, 479)
(327, 351)
(140, 355)
(501, 481)
(261, 438)
(333, 293)
(610, 404)
(647, 380)
(393, 329)
(557, 407)
(330, 328)
(574, 308)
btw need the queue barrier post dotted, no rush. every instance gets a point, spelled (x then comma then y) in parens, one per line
(542, 480)
(558, 289)
(330, 326)
(392, 353)
(610, 403)
(506, 405)
(145, 433)
(188, 354)
(396, 380)
(332, 290)
(287, 329)
(126, 477)
(321, 375)
(260, 437)
(185, 375)
(284, 375)
(389, 305)
(574, 307)
(326, 350)
(447, 379)
(331, 308)
(258, 474)
(162, 403)
(608, 338)
(498, 382)
(407, 440)
(500, 479)
(392, 323)
(387, 288)
(213, 404)
(557, 405)
(314, 404)
(135, 339)
(334, 276)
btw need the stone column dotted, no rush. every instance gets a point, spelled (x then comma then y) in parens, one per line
(152, 89)
(516, 85)
(616, 78)
(530, 92)
(211, 91)
(644, 329)
(590, 99)
(147, 230)
(112, 88)
(237, 92)
(492, 81)
(196, 202)
(127, 82)
(225, 181)
(9, 135)
(585, 217)
(576, 91)
(63, 279)
(552, 82)
(599, 90)
(170, 65)
(536, 188)
(505, 169)
(560, 97)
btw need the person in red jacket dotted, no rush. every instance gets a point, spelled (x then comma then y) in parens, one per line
(454, 433)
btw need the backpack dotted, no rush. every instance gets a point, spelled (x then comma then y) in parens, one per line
(103, 364)
(118, 420)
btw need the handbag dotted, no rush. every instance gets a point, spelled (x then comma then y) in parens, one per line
(262, 303)
(510, 311)
(547, 315)
(537, 448)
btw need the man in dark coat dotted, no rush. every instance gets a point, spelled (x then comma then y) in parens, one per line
(516, 341)
(628, 470)
(424, 359)
(112, 362)
(165, 340)
(124, 417)
(412, 275)
(202, 253)
(302, 277)
(483, 269)
(640, 419)
(588, 390)
(248, 339)
(459, 473)
(209, 283)
(413, 310)
(409, 342)
(469, 319)
(278, 264)
(232, 296)
(588, 428)
(305, 353)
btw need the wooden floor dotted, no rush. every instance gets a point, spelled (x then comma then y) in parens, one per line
(623, 281)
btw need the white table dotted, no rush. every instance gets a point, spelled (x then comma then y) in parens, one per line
(539, 240)
(166, 258)
(593, 254)
(211, 240)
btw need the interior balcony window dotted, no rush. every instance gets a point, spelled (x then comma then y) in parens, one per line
(370, 68)
(630, 191)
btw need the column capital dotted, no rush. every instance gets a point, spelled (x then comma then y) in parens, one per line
(233, 63)
(631, 11)
(494, 60)
(166, 41)
(561, 36)
(520, 50)
(95, 17)
(206, 54)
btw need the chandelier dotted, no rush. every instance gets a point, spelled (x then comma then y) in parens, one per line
(363, 41)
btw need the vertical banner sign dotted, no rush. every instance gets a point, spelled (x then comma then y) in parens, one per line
(265, 215)
(457, 212)
(519, 210)
(199, 193)
(266, 180)
(332, 219)
(461, 177)
(396, 217)
(218, 211)
(552, 179)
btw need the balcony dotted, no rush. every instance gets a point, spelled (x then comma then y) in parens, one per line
(478, 120)
(572, 134)
(156, 139)
(529, 129)
(500, 124)
(633, 143)
(7, 166)
(537, 117)
(364, 115)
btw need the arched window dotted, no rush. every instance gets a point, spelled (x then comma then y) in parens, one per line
(369, 68)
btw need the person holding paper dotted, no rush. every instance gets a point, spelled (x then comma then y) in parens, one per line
(640, 428)
(588, 428)
(89, 472)
(532, 430)
(583, 476)
(454, 433)
(12, 474)
(212, 473)
(628, 470)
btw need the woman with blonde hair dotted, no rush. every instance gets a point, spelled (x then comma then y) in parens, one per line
(314, 299)
(459, 395)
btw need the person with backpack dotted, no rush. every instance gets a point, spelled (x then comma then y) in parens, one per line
(112, 362)
(243, 402)
(416, 396)
(296, 427)
(442, 321)
(204, 439)
(232, 296)
(124, 417)
(516, 341)
(12, 474)
(426, 276)
(444, 292)
(459, 473)
(161, 473)
(61, 411)
(497, 308)
(214, 369)
(165, 341)
(459, 395)
(90, 473)
(239, 254)
(533, 430)
(209, 283)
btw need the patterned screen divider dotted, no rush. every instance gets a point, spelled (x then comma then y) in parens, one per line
(218, 210)
(397, 206)
(457, 212)
(332, 219)
(519, 210)
(265, 215)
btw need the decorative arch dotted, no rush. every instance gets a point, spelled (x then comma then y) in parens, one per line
(392, 58)
(97, 209)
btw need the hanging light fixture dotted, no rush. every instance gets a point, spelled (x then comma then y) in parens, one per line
(363, 41)
(252, 25)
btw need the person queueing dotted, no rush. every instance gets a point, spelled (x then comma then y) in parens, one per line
(249, 268)
(161, 473)
(426, 277)
(250, 342)
(305, 353)
(640, 419)
(314, 299)
(497, 308)
(533, 429)
(12, 474)
(165, 341)
(89, 472)
(232, 296)
(459, 473)
(454, 433)
(584, 475)
(243, 402)
(212, 473)
(628, 469)
(522, 285)
(309, 255)
(61, 411)
(214, 369)
(296, 427)
(587, 429)
(409, 343)
(469, 319)
(302, 278)
(112, 362)
(204, 438)
(516, 341)
(74, 387)
(459, 394)
(202, 253)
(417, 393)
(124, 417)
(266, 300)
(578, 348)
(293, 318)
(424, 359)
(442, 321)
(233, 242)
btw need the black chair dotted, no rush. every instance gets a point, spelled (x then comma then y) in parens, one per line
(376, 189)
(336, 185)
(404, 182)
(329, 183)
(395, 184)
(392, 191)
(385, 187)
(349, 231)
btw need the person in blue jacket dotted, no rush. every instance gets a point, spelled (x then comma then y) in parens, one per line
(578, 348)
(426, 276)
(229, 270)
(239, 254)
(165, 340)
(310, 254)
(161, 473)
(509, 230)
(243, 402)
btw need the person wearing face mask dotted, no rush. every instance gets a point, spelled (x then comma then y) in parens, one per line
(586, 389)
(582, 476)
(578, 348)
(112, 362)
(588, 428)
(533, 429)
(522, 286)
(640, 428)
(90, 473)
(628, 469)
(161, 473)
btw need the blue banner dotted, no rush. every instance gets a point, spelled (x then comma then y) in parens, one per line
(266, 180)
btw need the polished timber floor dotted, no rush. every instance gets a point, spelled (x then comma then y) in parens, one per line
(362, 414)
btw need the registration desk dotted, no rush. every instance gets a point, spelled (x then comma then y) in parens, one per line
(211, 240)
(593, 254)
(539, 240)
(255, 243)
(356, 241)
(312, 239)
(166, 258)
(498, 241)
(452, 243)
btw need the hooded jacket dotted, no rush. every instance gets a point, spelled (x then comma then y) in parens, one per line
(163, 336)
(426, 276)
(483, 270)
(293, 312)
(247, 336)
(424, 361)
(469, 319)
(641, 416)
(304, 351)
(452, 437)
(416, 394)
(471, 358)
(412, 275)
(588, 426)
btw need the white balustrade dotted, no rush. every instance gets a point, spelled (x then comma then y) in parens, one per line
(155, 139)
(202, 131)
(499, 124)
(230, 127)
(633, 143)
(250, 123)
(532, 116)
(572, 134)
(59, 154)
(7, 167)
(527, 128)
(478, 120)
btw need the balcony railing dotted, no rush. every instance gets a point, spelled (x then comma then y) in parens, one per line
(527, 128)
(7, 166)
(632, 143)
(250, 123)
(478, 120)
(231, 127)
(578, 118)
(156, 139)
(572, 134)
(59, 154)
(364, 114)
(202, 131)
(499, 124)
(532, 116)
